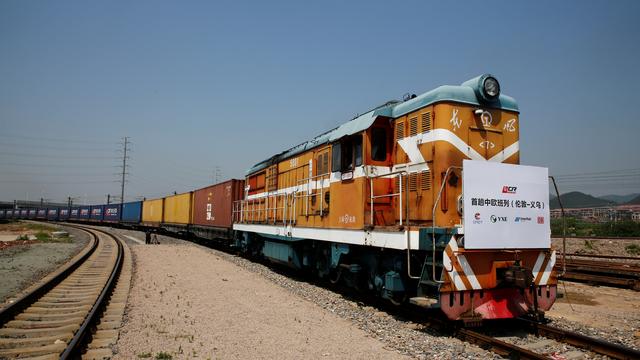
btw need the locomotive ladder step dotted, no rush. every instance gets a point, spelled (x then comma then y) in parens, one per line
(428, 282)
(424, 302)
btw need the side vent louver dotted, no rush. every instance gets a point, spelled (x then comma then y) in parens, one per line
(426, 122)
(399, 130)
(413, 126)
(425, 180)
(413, 182)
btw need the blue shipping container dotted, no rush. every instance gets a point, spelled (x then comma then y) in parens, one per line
(32, 213)
(97, 212)
(24, 214)
(112, 212)
(132, 212)
(85, 213)
(1, 214)
(52, 214)
(63, 214)
(41, 214)
(74, 214)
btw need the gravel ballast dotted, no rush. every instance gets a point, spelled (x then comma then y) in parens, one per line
(229, 307)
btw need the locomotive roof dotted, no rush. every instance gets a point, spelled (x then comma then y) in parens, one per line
(464, 93)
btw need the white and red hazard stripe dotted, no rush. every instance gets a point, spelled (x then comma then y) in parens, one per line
(460, 271)
(543, 268)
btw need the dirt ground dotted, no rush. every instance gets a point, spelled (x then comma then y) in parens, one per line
(27, 262)
(615, 247)
(215, 309)
(603, 310)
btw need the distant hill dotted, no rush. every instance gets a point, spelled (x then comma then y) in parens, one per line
(576, 199)
(620, 199)
(634, 201)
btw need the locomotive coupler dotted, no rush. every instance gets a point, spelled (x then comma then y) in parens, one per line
(517, 276)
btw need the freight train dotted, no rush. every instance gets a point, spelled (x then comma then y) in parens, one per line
(420, 200)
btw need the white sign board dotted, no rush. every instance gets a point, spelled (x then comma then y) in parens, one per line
(505, 206)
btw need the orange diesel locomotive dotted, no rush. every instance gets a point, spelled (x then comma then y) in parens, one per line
(377, 203)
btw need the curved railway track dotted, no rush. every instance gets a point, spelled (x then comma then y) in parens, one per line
(73, 312)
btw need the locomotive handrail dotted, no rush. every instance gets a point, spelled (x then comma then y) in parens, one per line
(309, 192)
(398, 174)
(433, 226)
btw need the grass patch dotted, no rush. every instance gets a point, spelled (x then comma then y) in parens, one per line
(45, 236)
(39, 227)
(588, 244)
(163, 356)
(144, 355)
(633, 249)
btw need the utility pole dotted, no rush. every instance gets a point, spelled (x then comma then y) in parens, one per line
(108, 199)
(69, 202)
(124, 168)
(218, 173)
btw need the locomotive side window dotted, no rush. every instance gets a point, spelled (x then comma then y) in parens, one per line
(357, 150)
(378, 144)
(347, 154)
(322, 163)
(336, 157)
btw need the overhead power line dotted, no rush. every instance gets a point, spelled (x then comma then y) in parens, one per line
(56, 148)
(62, 140)
(15, 154)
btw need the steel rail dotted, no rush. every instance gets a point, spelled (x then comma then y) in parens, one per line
(10, 311)
(599, 346)
(497, 346)
(74, 346)
(613, 257)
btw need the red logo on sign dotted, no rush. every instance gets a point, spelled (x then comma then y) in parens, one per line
(509, 189)
(540, 219)
(477, 216)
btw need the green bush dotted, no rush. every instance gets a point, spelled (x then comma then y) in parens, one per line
(633, 249)
(583, 228)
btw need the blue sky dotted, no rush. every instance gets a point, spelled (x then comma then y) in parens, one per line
(203, 84)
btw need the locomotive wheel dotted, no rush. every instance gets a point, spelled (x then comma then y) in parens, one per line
(398, 299)
(335, 275)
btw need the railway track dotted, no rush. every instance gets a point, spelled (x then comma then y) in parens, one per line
(617, 271)
(75, 312)
(544, 336)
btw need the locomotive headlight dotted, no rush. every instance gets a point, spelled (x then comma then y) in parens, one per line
(491, 87)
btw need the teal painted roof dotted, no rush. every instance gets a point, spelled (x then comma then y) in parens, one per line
(465, 93)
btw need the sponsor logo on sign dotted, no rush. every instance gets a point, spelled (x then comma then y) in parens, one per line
(540, 219)
(521, 219)
(509, 189)
(478, 219)
(494, 219)
(112, 211)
